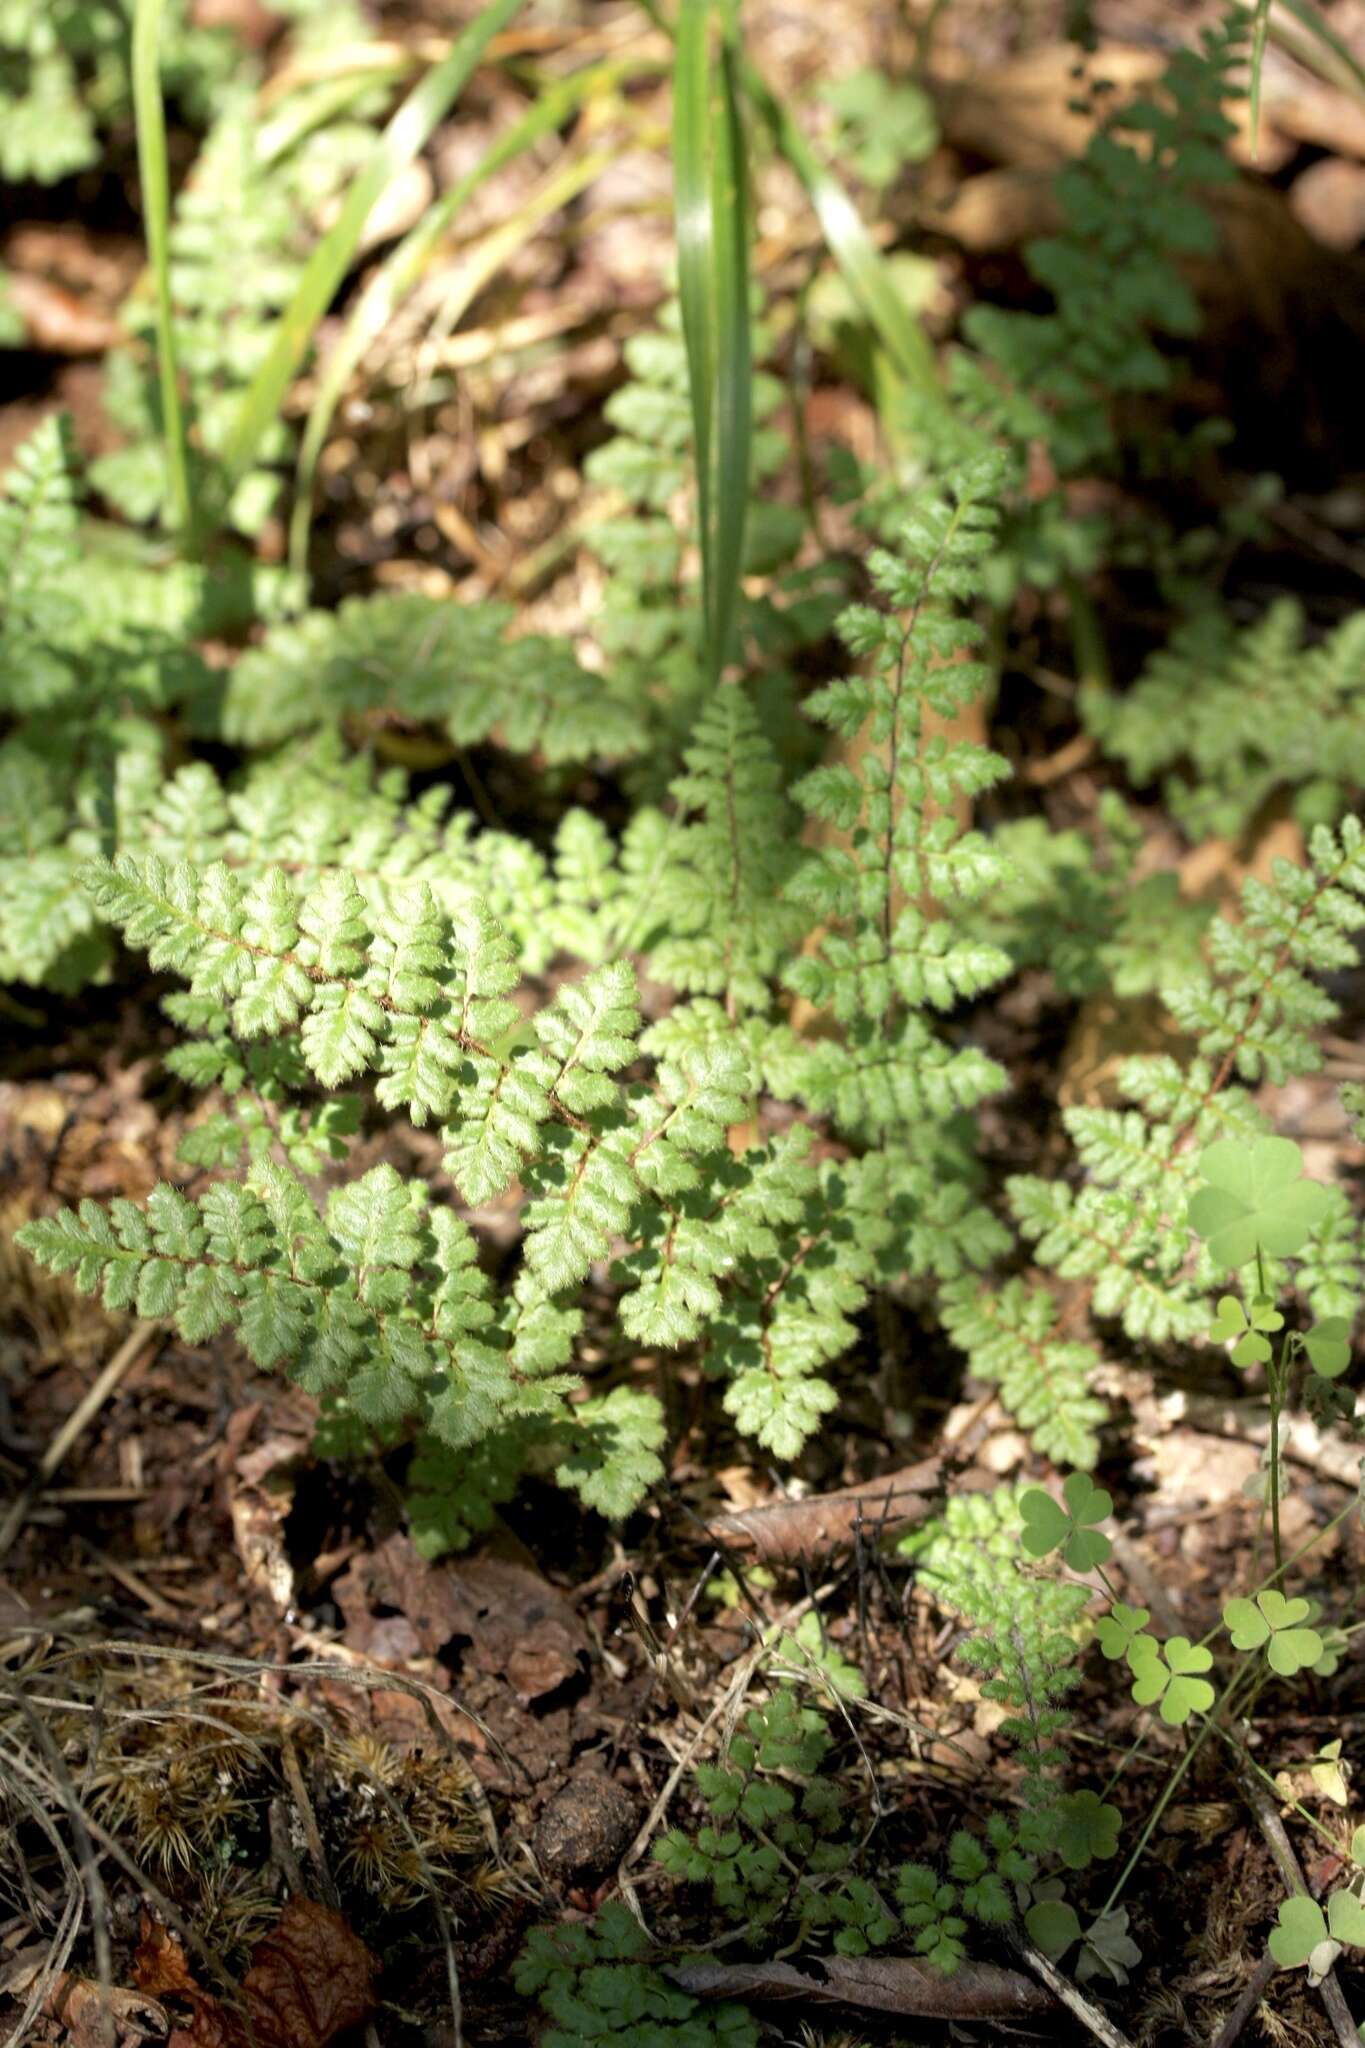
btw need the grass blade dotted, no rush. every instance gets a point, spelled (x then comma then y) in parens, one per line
(849, 243)
(154, 178)
(1258, 35)
(399, 273)
(712, 228)
(405, 135)
(1334, 59)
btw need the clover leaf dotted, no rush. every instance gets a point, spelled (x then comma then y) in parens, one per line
(1358, 1848)
(1305, 1935)
(1278, 1624)
(1301, 1928)
(1335, 1643)
(1048, 1526)
(1328, 1345)
(1089, 1830)
(1346, 1919)
(1119, 1629)
(1254, 1199)
(1168, 1672)
(1232, 1325)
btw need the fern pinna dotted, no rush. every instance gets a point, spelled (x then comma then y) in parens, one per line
(1117, 1227)
(332, 940)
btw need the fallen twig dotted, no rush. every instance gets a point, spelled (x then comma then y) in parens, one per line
(1067, 1993)
(77, 1422)
(1287, 1863)
(894, 1984)
(785, 1530)
(1254, 1991)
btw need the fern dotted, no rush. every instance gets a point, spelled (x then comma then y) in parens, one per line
(92, 628)
(726, 927)
(1132, 211)
(1251, 713)
(350, 954)
(64, 77)
(427, 661)
(1029, 1634)
(1074, 906)
(1252, 1014)
(1133, 208)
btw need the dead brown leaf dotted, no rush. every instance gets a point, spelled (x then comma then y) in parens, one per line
(84, 2009)
(310, 1979)
(516, 1624)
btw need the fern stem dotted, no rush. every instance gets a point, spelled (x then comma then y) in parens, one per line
(154, 176)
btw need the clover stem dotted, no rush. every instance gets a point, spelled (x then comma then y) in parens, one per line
(1249, 1763)
(1168, 1792)
(1121, 1766)
(1275, 1383)
(1276, 1380)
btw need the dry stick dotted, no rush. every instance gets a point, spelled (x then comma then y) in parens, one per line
(303, 1805)
(1287, 1863)
(735, 1691)
(1277, 1840)
(1232, 2027)
(1069, 1994)
(79, 1420)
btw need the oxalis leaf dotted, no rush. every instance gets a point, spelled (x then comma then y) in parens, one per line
(1089, 1831)
(1120, 1629)
(1049, 1526)
(1272, 1621)
(1328, 1345)
(1053, 1924)
(1305, 1935)
(1169, 1673)
(1255, 1199)
(1301, 1927)
(1246, 1332)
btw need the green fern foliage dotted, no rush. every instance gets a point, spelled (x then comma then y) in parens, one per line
(1244, 714)
(725, 923)
(1253, 1013)
(64, 77)
(350, 954)
(1132, 211)
(428, 661)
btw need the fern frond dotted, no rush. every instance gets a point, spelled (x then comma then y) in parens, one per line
(1251, 712)
(429, 662)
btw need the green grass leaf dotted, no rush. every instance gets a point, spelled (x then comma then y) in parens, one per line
(405, 136)
(868, 275)
(711, 215)
(402, 269)
(153, 172)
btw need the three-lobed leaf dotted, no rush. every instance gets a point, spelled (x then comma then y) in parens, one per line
(1255, 1200)
(1048, 1526)
(1277, 1624)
